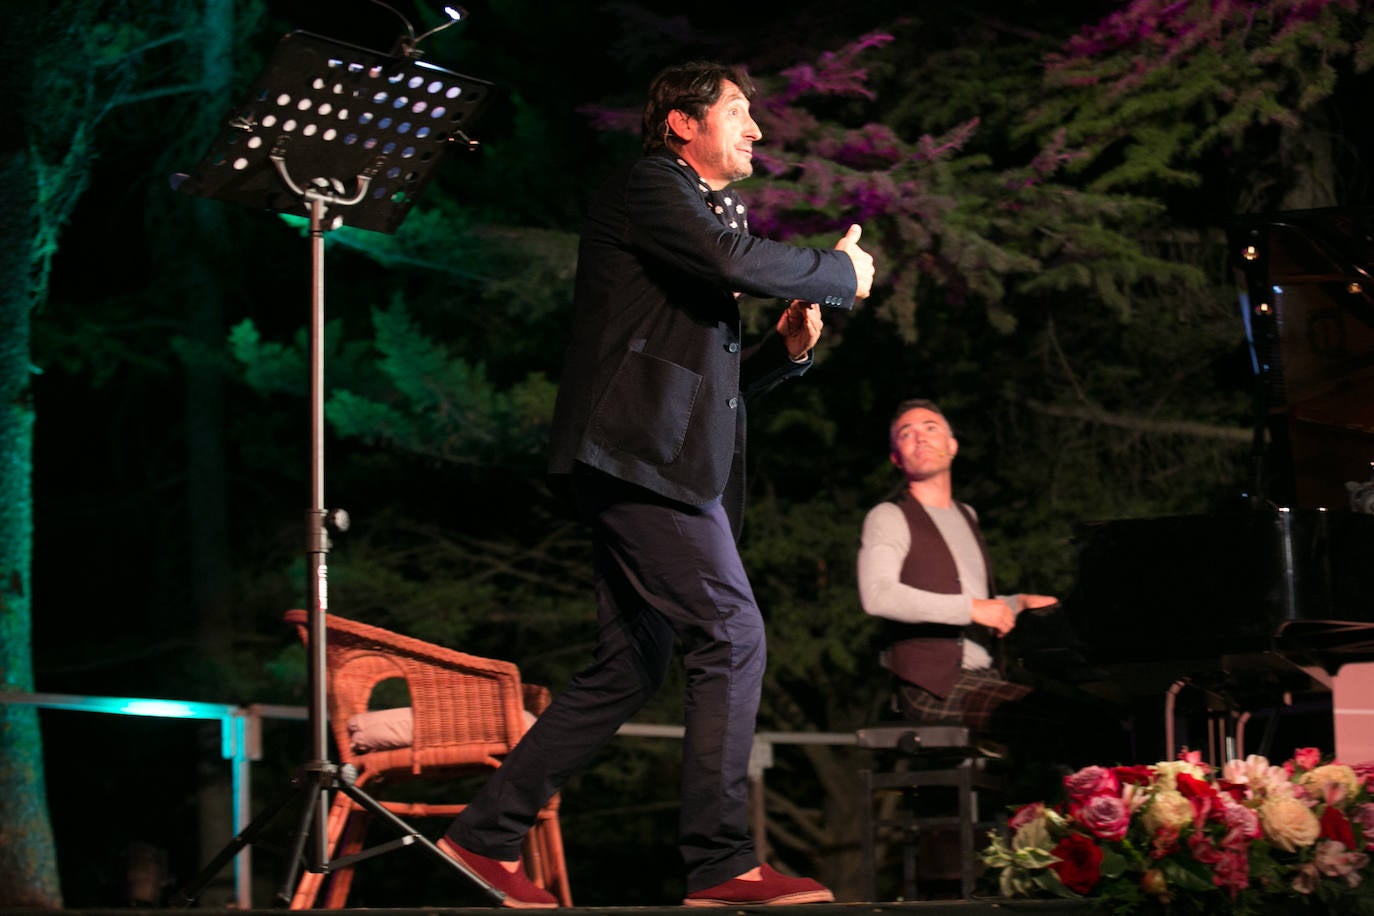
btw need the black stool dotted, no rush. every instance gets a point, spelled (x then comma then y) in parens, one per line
(937, 755)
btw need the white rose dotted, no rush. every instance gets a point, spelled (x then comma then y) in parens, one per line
(1288, 823)
(1332, 783)
(1167, 809)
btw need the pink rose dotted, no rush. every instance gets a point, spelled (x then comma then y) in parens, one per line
(1242, 823)
(1024, 815)
(1106, 817)
(1306, 758)
(1090, 782)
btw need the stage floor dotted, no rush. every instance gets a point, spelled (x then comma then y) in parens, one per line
(976, 907)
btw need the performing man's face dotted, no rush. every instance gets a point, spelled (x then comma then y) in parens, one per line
(720, 146)
(922, 445)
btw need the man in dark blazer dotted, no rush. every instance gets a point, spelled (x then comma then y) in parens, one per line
(648, 441)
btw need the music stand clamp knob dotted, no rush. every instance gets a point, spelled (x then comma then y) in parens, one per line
(336, 520)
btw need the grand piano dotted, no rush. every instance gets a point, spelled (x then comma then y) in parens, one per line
(1205, 623)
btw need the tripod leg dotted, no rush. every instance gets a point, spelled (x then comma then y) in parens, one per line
(411, 836)
(308, 890)
(187, 896)
(314, 794)
(349, 843)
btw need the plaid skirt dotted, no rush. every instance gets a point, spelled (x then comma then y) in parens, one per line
(978, 700)
(1034, 723)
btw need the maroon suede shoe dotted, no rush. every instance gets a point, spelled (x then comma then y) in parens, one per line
(521, 893)
(772, 889)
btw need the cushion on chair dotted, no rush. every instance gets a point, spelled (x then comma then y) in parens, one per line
(381, 729)
(388, 729)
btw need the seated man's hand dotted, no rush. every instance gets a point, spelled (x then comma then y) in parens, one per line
(995, 614)
(1034, 601)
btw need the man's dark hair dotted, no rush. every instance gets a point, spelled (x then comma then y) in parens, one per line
(916, 404)
(690, 88)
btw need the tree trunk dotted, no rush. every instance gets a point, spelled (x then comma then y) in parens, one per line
(1308, 158)
(28, 858)
(28, 855)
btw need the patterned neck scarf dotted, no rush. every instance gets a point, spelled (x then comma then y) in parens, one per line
(726, 204)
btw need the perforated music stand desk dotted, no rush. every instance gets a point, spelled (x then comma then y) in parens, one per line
(335, 111)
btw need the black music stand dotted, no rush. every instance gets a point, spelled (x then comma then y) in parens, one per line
(323, 111)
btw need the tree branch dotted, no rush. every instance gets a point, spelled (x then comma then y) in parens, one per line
(149, 94)
(1093, 414)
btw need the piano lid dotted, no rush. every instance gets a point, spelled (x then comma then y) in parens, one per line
(1299, 582)
(1307, 301)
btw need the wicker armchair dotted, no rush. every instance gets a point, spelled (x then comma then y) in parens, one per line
(465, 714)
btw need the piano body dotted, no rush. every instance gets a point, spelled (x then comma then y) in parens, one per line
(1238, 612)
(1253, 607)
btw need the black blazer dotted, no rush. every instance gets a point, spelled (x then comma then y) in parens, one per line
(651, 390)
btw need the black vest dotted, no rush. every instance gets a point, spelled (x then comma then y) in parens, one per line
(930, 655)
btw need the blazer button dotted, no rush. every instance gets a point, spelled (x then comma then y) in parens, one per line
(732, 346)
(733, 402)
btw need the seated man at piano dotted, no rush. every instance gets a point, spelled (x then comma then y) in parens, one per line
(923, 568)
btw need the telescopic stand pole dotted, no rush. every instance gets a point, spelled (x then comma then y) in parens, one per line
(317, 538)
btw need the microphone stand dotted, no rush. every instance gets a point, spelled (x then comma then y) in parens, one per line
(331, 109)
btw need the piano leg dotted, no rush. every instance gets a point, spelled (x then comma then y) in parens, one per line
(1224, 724)
(1352, 700)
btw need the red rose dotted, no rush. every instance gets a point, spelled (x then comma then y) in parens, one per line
(1336, 826)
(1138, 775)
(1235, 790)
(1080, 862)
(1165, 842)
(1192, 787)
(1202, 796)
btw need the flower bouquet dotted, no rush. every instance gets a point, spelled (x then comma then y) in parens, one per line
(1181, 836)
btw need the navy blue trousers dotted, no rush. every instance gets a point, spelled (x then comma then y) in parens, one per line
(665, 573)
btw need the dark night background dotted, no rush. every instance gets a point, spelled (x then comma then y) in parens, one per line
(113, 575)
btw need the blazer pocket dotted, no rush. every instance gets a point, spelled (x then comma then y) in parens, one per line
(647, 407)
